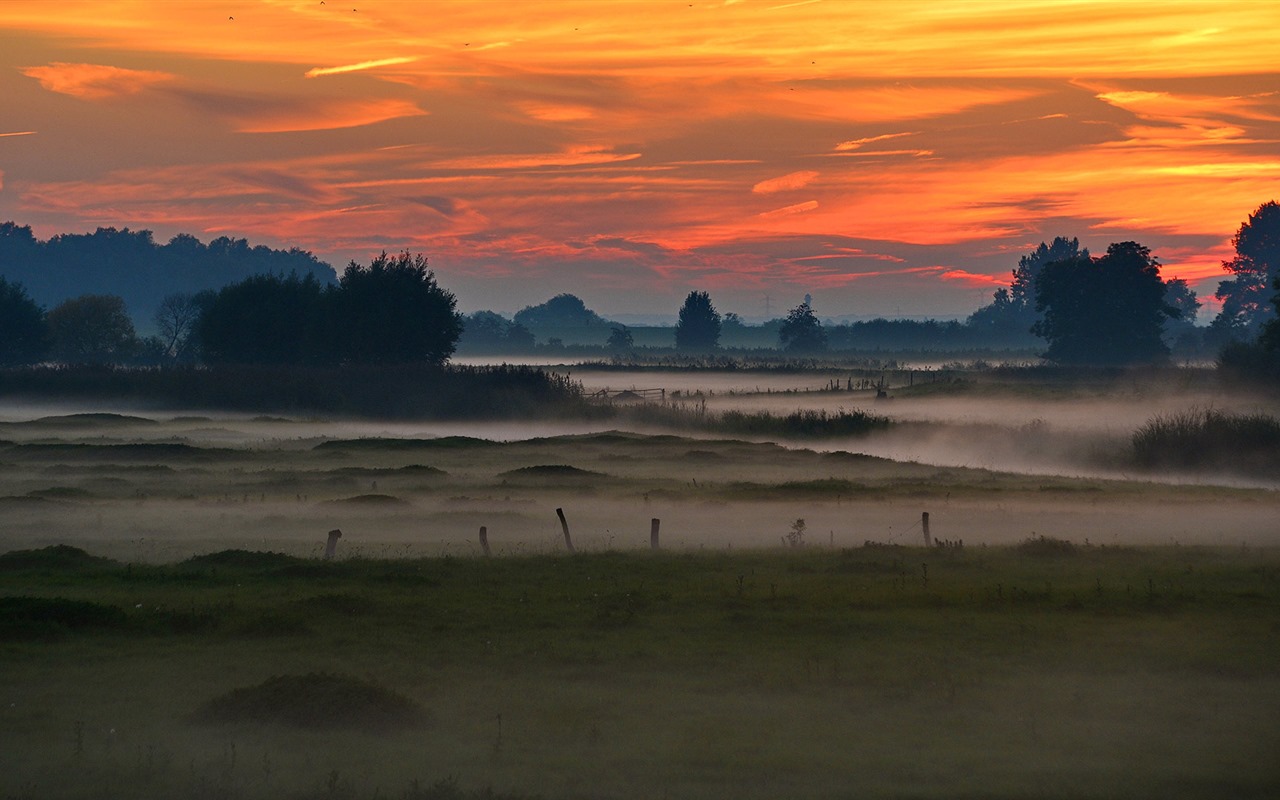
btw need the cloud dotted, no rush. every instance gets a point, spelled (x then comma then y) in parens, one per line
(555, 112)
(971, 278)
(95, 81)
(263, 113)
(581, 155)
(798, 208)
(316, 72)
(785, 183)
(18, 133)
(328, 115)
(856, 144)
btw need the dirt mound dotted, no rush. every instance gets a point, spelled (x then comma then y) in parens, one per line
(315, 700)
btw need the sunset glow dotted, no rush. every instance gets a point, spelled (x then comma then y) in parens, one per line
(882, 157)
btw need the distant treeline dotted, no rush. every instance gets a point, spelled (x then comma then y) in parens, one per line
(131, 265)
(284, 307)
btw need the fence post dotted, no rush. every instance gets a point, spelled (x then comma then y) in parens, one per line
(332, 545)
(924, 524)
(484, 540)
(564, 526)
(653, 533)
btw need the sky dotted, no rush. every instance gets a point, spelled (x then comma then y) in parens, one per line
(888, 158)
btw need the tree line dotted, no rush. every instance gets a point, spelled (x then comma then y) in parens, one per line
(390, 312)
(1108, 309)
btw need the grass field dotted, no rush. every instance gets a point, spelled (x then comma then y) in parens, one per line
(1042, 669)
(168, 628)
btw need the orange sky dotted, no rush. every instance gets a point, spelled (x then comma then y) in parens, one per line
(886, 157)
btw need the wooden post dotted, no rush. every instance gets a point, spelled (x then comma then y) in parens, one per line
(484, 541)
(924, 524)
(332, 545)
(564, 526)
(653, 533)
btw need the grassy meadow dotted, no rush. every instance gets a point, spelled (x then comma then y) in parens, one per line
(1091, 627)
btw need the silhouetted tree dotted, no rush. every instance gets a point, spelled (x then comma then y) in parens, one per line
(620, 338)
(1256, 361)
(23, 335)
(1107, 310)
(801, 332)
(1012, 312)
(175, 319)
(1181, 332)
(132, 265)
(519, 338)
(268, 319)
(1246, 298)
(561, 311)
(92, 329)
(698, 327)
(486, 331)
(394, 312)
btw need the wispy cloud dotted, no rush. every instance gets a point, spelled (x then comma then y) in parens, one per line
(785, 183)
(95, 81)
(18, 133)
(798, 208)
(570, 157)
(856, 144)
(316, 72)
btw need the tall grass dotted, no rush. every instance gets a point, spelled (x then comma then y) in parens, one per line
(1209, 438)
(807, 424)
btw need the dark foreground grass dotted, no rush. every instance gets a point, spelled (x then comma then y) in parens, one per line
(1048, 669)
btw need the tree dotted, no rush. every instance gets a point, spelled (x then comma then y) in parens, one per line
(175, 319)
(1012, 312)
(1182, 331)
(698, 327)
(486, 331)
(483, 330)
(801, 332)
(1107, 310)
(23, 335)
(92, 329)
(268, 319)
(620, 338)
(561, 311)
(394, 312)
(1246, 305)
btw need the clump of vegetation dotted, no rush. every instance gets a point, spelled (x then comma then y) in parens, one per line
(1209, 438)
(315, 700)
(1045, 546)
(60, 557)
(242, 559)
(807, 424)
(795, 536)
